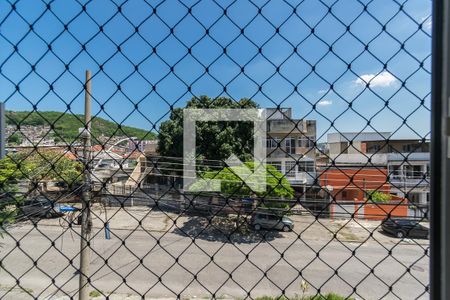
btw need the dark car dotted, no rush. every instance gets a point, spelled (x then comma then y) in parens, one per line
(269, 221)
(400, 227)
(39, 208)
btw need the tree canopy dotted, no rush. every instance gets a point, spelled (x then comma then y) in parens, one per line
(33, 166)
(231, 184)
(215, 140)
(378, 197)
(9, 174)
(50, 165)
(15, 138)
(37, 166)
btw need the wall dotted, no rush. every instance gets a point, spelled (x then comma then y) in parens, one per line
(363, 209)
(397, 207)
(344, 188)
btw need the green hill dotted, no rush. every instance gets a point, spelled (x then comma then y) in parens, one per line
(66, 125)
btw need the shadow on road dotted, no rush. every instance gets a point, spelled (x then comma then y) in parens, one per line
(224, 230)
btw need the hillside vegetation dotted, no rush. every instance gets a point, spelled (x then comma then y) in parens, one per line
(66, 125)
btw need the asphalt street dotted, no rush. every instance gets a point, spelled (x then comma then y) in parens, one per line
(169, 263)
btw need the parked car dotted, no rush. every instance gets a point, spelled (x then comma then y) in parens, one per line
(271, 221)
(401, 227)
(39, 208)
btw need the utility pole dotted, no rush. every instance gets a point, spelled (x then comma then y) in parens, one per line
(2, 130)
(86, 222)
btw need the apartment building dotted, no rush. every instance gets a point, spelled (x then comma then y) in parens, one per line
(291, 146)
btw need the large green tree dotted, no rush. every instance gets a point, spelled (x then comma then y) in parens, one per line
(277, 186)
(9, 175)
(33, 166)
(215, 140)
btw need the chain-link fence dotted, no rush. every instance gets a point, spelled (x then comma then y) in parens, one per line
(94, 201)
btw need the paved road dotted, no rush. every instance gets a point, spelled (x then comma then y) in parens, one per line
(167, 264)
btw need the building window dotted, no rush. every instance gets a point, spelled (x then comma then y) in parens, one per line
(395, 172)
(409, 148)
(306, 141)
(272, 142)
(306, 166)
(374, 148)
(290, 145)
(414, 198)
(344, 195)
(290, 168)
(277, 165)
(413, 172)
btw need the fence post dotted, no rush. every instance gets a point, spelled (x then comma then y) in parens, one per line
(440, 153)
(85, 255)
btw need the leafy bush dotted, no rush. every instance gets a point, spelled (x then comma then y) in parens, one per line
(49, 165)
(15, 138)
(231, 184)
(378, 197)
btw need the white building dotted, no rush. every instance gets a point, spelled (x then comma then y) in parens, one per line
(291, 146)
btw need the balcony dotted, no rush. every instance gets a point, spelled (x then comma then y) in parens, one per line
(286, 126)
(413, 156)
(409, 180)
(359, 158)
(301, 177)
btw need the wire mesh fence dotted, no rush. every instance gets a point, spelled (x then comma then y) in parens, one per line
(93, 194)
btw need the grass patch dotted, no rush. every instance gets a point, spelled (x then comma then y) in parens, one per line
(348, 236)
(94, 294)
(329, 296)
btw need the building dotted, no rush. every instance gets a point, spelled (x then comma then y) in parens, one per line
(405, 161)
(30, 136)
(348, 184)
(291, 146)
(142, 145)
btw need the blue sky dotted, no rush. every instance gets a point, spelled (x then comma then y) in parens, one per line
(296, 67)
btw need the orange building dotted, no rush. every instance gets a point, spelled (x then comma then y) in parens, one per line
(348, 184)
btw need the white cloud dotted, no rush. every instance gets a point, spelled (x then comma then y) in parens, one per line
(426, 22)
(325, 102)
(384, 79)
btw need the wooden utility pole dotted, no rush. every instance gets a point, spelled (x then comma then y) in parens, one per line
(86, 222)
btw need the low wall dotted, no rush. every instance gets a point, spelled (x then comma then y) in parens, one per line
(381, 211)
(363, 209)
